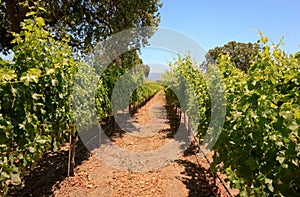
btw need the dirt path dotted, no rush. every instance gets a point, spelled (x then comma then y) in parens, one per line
(155, 127)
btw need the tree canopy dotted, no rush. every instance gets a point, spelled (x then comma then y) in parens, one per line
(87, 22)
(297, 55)
(146, 70)
(240, 53)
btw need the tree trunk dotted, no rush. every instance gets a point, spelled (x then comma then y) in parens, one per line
(16, 13)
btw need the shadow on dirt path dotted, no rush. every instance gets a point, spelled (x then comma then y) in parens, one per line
(51, 169)
(197, 179)
(93, 177)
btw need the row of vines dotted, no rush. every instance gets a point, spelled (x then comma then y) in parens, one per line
(258, 147)
(37, 102)
(144, 92)
(35, 110)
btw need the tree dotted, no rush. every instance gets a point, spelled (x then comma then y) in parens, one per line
(240, 53)
(146, 70)
(297, 55)
(87, 22)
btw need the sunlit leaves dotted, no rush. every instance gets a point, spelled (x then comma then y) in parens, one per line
(258, 148)
(265, 132)
(35, 107)
(40, 21)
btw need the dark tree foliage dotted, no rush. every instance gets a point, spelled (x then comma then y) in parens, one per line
(146, 70)
(88, 21)
(297, 55)
(241, 53)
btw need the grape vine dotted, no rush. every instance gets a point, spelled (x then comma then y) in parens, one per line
(258, 148)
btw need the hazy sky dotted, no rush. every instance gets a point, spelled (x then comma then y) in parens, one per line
(215, 22)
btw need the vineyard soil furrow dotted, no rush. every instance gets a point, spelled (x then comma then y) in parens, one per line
(182, 177)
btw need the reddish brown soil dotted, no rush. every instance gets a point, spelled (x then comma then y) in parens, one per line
(180, 178)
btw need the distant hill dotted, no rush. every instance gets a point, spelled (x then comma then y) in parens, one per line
(154, 76)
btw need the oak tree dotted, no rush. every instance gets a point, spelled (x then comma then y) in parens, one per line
(87, 22)
(240, 53)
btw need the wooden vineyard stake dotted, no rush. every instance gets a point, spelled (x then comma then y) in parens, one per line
(72, 149)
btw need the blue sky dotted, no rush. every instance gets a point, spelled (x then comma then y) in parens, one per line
(214, 23)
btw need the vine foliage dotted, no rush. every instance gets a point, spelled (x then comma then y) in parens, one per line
(258, 148)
